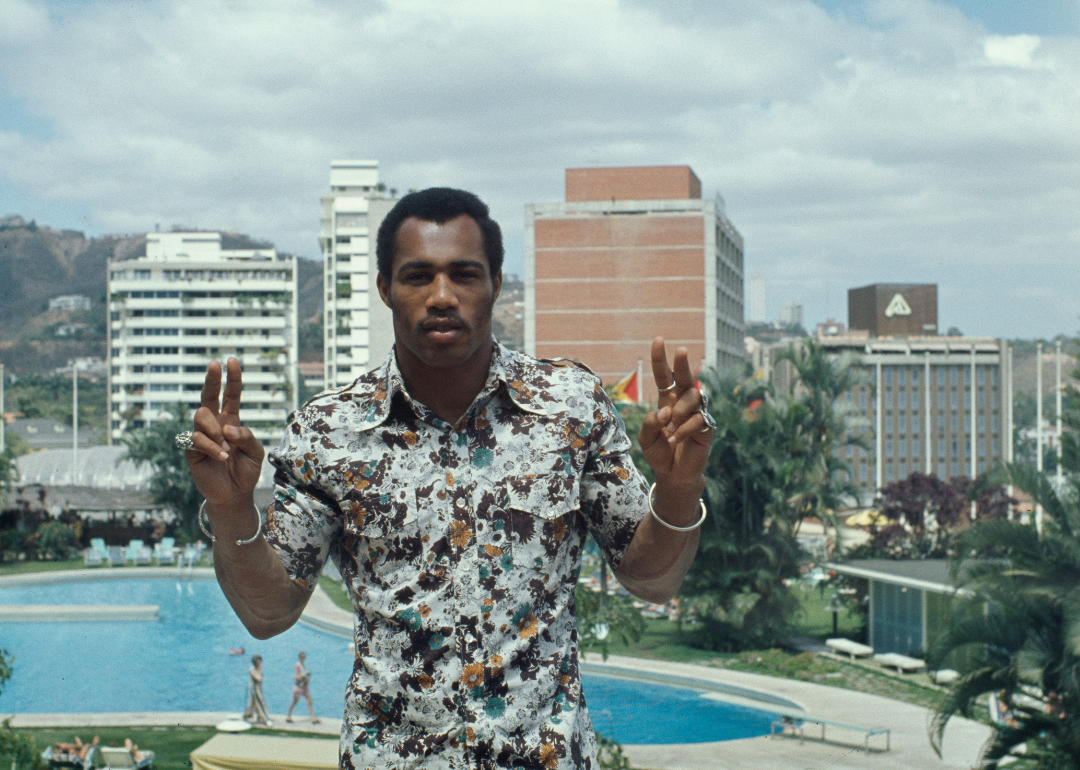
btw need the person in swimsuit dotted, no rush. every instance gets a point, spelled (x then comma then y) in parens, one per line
(300, 690)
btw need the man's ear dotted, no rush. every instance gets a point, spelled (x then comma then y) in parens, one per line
(384, 290)
(497, 282)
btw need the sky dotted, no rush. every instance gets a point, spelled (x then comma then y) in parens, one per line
(852, 141)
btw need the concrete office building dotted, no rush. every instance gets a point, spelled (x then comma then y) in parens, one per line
(187, 302)
(358, 329)
(632, 253)
(935, 405)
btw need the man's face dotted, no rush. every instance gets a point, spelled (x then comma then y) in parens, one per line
(441, 293)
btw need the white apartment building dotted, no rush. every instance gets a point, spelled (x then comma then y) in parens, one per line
(189, 302)
(358, 329)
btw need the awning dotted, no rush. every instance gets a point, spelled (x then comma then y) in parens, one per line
(226, 751)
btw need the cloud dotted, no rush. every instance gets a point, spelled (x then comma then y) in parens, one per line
(895, 141)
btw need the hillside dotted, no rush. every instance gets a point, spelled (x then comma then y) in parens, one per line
(38, 263)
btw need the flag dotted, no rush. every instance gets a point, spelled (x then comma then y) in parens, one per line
(627, 390)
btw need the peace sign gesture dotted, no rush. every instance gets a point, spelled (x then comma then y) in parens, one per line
(225, 457)
(675, 438)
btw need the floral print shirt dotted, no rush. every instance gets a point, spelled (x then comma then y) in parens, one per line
(461, 546)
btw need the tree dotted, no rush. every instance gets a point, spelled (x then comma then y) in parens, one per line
(1015, 631)
(774, 462)
(171, 482)
(926, 514)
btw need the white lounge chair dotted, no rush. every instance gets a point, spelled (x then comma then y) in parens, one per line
(92, 557)
(119, 758)
(902, 663)
(851, 649)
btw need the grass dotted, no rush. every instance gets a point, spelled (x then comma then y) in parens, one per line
(171, 745)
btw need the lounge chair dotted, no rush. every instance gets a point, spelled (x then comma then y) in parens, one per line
(92, 557)
(902, 663)
(851, 649)
(163, 551)
(68, 760)
(117, 757)
(133, 547)
(98, 544)
(116, 555)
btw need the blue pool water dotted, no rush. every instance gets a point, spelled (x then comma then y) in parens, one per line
(181, 662)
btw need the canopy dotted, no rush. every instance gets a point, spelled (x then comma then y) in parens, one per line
(228, 751)
(867, 518)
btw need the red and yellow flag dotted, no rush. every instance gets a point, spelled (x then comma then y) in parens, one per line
(627, 390)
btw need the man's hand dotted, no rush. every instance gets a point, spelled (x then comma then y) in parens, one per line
(227, 458)
(675, 438)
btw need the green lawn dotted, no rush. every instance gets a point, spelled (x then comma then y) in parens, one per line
(171, 745)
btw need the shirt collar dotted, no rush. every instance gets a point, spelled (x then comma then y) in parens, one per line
(508, 369)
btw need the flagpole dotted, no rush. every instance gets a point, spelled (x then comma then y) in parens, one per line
(640, 382)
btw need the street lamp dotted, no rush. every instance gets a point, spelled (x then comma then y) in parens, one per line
(835, 607)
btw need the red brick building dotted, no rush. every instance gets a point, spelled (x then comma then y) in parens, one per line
(632, 253)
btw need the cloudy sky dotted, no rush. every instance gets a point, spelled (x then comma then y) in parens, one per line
(854, 141)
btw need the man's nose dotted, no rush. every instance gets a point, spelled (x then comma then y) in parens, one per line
(442, 293)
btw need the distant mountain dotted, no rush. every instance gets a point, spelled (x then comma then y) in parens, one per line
(38, 263)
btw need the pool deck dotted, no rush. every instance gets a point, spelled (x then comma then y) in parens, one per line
(909, 741)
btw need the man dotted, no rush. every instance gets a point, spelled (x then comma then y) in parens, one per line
(454, 488)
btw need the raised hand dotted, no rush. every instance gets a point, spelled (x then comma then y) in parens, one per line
(675, 438)
(226, 458)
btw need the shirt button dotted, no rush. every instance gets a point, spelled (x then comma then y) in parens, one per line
(460, 502)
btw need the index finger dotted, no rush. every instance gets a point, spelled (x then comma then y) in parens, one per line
(230, 402)
(662, 374)
(211, 388)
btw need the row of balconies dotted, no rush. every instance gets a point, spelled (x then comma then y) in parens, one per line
(274, 322)
(204, 303)
(184, 285)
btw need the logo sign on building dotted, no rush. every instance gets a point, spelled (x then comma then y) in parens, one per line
(897, 306)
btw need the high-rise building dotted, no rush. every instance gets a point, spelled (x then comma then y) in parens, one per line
(358, 329)
(632, 253)
(187, 302)
(791, 314)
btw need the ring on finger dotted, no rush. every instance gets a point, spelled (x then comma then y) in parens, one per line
(703, 410)
(183, 440)
(667, 389)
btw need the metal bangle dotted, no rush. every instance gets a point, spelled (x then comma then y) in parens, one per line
(692, 527)
(204, 525)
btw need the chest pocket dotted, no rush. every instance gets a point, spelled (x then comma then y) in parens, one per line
(541, 511)
(384, 530)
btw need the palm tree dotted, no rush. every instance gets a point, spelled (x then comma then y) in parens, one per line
(1015, 632)
(171, 482)
(773, 463)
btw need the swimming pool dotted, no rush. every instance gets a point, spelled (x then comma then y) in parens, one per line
(182, 662)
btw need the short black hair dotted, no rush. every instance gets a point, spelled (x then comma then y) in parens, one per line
(439, 205)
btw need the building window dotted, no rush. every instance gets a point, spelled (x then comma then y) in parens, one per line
(981, 374)
(955, 468)
(862, 472)
(915, 422)
(941, 376)
(889, 476)
(941, 447)
(888, 423)
(955, 448)
(862, 398)
(993, 399)
(952, 399)
(955, 422)
(941, 421)
(901, 375)
(901, 398)
(888, 375)
(901, 420)
(903, 469)
(981, 398)
(888, 448)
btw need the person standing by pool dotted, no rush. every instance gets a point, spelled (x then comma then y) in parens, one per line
(301, 678)
(454, 487)
(256, 709)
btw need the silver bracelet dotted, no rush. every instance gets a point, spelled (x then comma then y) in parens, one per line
(692, 527)
(204, 525)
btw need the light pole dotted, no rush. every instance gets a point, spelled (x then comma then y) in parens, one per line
(74, 422)
(835, 607)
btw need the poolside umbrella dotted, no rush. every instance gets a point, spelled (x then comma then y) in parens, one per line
(867, 518)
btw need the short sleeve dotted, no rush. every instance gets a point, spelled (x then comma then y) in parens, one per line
(303, 521)
(614, 494)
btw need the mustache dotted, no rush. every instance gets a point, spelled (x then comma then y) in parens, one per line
(446, 320)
